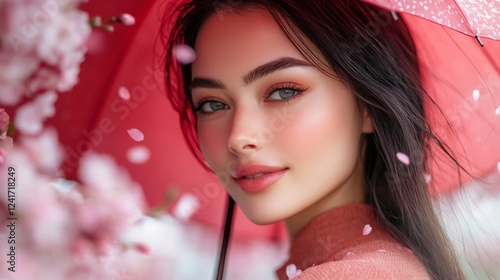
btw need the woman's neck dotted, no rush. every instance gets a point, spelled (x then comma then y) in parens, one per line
(353, 191)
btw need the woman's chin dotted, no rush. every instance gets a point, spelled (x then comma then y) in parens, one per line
(262, 219)
(262, 215)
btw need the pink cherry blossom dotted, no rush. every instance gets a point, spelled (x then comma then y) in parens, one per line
(42, 79)
(136, 134)
(14, 71)
(65, 228)
(44, 150)
(497, 111)
(46, 210)
(4, 123)
(62, 41)
(43, 45)
(6, 142)
(126, 19)
(46, 222)
(112, 203)
(30, 116)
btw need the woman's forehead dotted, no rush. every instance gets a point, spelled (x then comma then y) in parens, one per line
(244, 39)
(240, 40)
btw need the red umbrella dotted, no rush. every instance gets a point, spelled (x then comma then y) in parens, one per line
(464, 80)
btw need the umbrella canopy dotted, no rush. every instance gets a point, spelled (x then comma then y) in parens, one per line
(464, 81)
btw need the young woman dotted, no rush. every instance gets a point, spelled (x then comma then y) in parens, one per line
(302, 108)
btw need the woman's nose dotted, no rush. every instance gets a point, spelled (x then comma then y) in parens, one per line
(247, 132)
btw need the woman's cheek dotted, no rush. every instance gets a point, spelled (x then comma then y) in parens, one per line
(213, 144)
(310, 124)
(322, 125)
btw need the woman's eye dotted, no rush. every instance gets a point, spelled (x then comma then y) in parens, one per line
(283, 94)
(212, 106)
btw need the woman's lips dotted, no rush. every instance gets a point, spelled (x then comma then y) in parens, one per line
(255, 178)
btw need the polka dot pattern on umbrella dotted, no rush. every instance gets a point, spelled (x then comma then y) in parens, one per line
(471, 17)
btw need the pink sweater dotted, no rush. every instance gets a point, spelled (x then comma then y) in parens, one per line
(333, 246)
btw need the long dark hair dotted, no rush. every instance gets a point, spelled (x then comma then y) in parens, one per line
(373, 55)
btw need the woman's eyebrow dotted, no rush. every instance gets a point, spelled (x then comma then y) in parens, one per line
(273, 66)
(259, 72)
(206, 83)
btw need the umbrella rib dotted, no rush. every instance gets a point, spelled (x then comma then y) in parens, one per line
(464, 16)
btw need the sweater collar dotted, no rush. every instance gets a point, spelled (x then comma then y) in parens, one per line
(331, 232)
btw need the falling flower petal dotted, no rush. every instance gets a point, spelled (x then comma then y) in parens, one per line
(349, 254)
(427, 178)
(138, 154)
(367, 229)
(124, 93)
(475, 94)
(403, 158)
(184, 54)
(498, 166)
(497, 111)
(136, 134)
(292, 271)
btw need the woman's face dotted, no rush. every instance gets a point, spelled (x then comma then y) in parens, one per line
(283, 137)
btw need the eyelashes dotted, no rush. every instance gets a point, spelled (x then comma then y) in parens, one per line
(209, 103)
(282, 93)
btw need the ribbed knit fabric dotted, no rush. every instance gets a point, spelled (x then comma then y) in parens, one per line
(332, 246)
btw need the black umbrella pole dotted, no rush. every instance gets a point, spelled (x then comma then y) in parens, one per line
(225, 239)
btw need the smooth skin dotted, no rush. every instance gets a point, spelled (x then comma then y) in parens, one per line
(289, 115)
